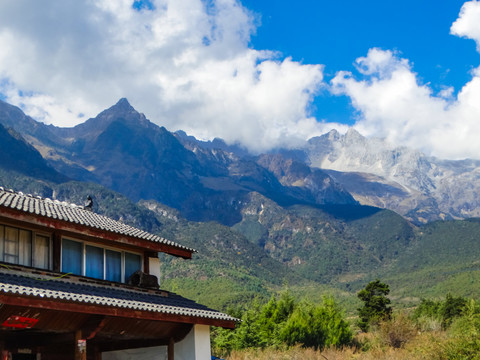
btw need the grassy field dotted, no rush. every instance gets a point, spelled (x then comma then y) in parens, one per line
(423, 345)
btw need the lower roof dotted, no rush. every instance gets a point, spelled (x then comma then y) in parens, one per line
(38, 286)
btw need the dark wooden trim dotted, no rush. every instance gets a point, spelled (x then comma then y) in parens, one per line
(57, 249)
(171, 349)
(34, 302)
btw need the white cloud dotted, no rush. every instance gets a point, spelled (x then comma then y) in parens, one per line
(186, 64)
(468, 22)
(393, 104)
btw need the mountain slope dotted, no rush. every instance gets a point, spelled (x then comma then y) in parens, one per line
(17, 155)
(124, 151)
(419, 187)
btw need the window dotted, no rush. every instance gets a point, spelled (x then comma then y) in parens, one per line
(72, 257)
(133, 263)
(42, 252)
(24, 247)
(113, 265)
(93, 261)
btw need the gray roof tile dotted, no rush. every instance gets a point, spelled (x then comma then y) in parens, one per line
(14, 282)
(76, 214)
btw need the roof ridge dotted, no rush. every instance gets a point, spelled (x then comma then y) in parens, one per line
(46, 199)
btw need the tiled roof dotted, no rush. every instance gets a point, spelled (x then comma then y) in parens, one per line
(14, 282)
(76, 214)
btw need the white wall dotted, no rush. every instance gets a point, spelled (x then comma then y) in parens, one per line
(151, 353)
(195, 346)
(154, 265)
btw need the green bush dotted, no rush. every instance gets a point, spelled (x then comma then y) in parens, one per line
(444, 312)
(465, 333)
(317, 326)
(284, 322)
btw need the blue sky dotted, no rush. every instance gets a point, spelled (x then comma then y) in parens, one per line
(259, 73)
(335, 33)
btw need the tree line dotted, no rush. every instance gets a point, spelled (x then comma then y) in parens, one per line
(285, 322)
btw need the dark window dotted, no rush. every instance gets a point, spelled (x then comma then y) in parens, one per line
(94, 262)
(72, 257)
(85, 259)
(113, 268)
(133, 263)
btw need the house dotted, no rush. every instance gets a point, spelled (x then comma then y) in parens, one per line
(65, 294)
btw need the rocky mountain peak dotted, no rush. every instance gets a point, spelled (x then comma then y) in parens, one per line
(352, 136)
(122, 105)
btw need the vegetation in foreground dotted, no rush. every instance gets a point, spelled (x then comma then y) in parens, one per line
(285, 329)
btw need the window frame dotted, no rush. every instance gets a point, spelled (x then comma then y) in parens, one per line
(84, 245)
(33, 238)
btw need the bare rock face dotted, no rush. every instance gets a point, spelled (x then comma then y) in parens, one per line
(418, 186)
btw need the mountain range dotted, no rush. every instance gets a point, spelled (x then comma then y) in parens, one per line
(338, 210)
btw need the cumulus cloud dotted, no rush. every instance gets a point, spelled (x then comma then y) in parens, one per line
(468, 23)
(393, 103)
(186, 64)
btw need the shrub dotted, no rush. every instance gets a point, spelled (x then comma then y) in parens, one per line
(397, 331)
(465, 332)
(317, 326)
(284, 322)
(434, 312)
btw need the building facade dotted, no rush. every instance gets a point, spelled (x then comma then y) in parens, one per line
(78, 285)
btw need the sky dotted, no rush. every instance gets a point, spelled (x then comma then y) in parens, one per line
(260, 73)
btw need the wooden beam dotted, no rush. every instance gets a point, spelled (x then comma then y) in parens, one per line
(171, 349)
(93, 325)
(34, 302)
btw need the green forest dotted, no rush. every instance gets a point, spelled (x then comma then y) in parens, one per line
(285, 328)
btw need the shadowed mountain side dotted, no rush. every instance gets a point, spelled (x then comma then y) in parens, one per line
(17, 155)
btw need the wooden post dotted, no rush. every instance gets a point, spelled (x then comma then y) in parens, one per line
(57, 249)
(97, 354)
(79, 355)
(3, 352)
(171, 349)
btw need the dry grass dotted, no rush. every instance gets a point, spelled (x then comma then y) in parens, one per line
(422, 346)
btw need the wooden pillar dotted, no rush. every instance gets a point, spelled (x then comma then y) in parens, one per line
(57, 249)
(3, 352)
(171, 349)
(97, 354)
(79, 355)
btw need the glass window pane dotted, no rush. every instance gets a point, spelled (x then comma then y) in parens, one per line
(94, 262)
(133, 262)
(25, 248)
(41, 252)
(72, 256)
(11, 245)
(113, 268)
